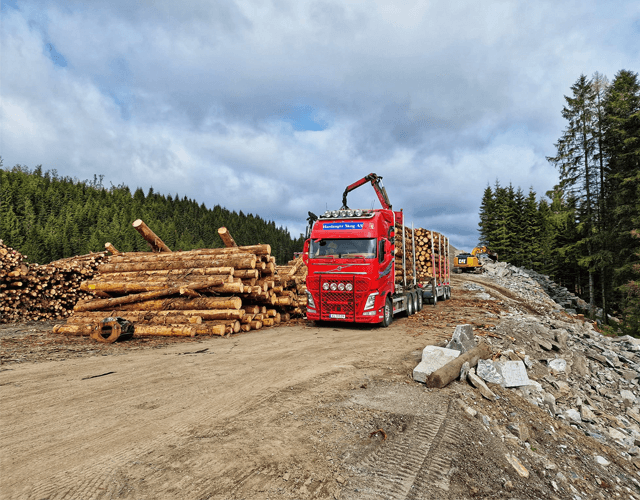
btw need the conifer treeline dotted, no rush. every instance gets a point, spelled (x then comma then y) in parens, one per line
(586, 237)
(48, 217)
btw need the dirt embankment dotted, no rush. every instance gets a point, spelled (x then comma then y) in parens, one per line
(293, 412)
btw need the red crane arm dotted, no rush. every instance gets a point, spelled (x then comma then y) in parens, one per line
(376, 182)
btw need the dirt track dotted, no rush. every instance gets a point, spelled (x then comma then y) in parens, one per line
(286, 412)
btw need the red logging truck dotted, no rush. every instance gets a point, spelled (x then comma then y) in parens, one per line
(352, 265)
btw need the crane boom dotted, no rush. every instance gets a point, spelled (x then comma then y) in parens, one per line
(376, 182)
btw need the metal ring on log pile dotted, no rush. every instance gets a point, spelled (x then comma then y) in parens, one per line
(111, 329)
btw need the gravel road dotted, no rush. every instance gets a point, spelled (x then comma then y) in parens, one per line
(297, 411)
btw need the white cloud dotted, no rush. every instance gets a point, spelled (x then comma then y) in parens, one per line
(439, 98)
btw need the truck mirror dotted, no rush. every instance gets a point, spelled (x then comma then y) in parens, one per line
(381, 248)
(305, 253)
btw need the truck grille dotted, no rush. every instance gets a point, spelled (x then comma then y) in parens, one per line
(337, 303)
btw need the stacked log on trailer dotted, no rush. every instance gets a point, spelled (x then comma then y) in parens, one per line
(214, 291)
(407, 253)
(33, 292)
(431, 251)
(431, 254)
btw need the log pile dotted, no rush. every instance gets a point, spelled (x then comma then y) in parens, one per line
(293, 277)
(32, 292)
(429, 253)
(407, 254)
(214, 291)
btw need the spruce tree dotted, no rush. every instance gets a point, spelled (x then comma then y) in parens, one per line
(575, 162)
(487, 214)
(622, 148)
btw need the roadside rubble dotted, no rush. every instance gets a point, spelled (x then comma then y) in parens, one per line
(561, 365)
(523, 280)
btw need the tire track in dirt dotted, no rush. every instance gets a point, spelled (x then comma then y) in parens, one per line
(415, 465)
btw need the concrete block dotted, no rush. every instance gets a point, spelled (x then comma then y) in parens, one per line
(433, 357)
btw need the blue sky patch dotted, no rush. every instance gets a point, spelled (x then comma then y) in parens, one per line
(57, 58)
(304, 118)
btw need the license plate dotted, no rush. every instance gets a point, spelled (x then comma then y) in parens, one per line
(338, 316)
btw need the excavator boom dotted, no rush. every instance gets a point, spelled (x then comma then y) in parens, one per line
(376, 182)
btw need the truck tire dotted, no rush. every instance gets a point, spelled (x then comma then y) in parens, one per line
(387, 316)
(419, 303)
(410, 305)
(434, 299)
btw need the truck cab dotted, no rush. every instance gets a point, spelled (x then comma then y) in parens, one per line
(351, 260)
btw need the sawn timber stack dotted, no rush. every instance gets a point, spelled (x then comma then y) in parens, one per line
(199, 292)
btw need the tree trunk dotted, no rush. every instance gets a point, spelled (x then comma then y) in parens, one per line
(194, 254)
(111, 248)
(179, 303)
(247, 261)
(93, 305)
(167, 274)
(157, 245)
(451, 371)
(226, 237)
(149, 286)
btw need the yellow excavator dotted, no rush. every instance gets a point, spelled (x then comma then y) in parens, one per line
(470, 262)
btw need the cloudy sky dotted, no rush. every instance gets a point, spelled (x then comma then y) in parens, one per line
(273, 107)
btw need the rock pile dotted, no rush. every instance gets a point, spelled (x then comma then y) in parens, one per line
(569, 373)
(522, 280)
(576, 374)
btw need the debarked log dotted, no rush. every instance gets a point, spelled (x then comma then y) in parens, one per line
(164, 330)
(135, 317)
(169, 274)
(149, 286)
(140, 330)
(180, 303)
(226, 237)
(451, 371)
(157, 245)
(203, 253)
(192, 316)
(76, 330)
(93, 305)
(243, 261)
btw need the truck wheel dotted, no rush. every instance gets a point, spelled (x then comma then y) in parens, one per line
(448, 293)
(387, 317)
(410, 309)
(419, 301)
(434, 300)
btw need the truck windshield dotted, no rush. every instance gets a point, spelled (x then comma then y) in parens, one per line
(343, 248)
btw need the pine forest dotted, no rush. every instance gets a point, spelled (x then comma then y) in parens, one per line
(48, 217)
(586, 233)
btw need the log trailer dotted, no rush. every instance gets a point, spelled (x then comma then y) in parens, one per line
(353, 273)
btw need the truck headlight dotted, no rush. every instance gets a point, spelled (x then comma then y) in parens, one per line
(310, 302)
(371, 301)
